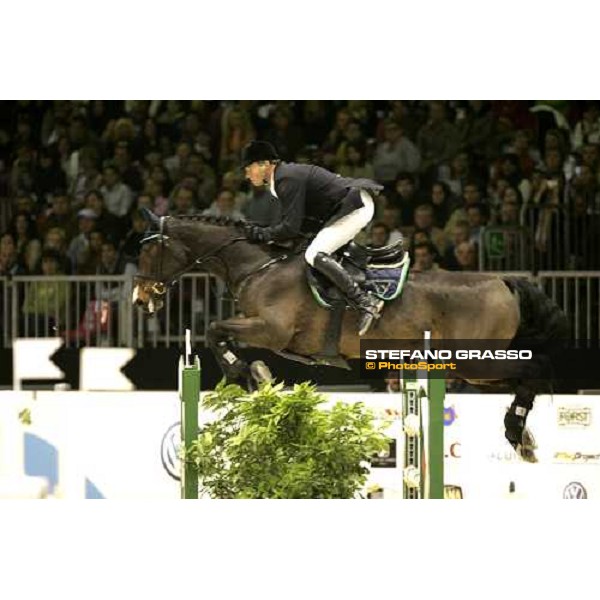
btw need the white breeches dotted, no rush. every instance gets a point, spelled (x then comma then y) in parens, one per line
(342, 231)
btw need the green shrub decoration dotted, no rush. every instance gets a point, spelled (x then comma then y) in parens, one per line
(276, 444)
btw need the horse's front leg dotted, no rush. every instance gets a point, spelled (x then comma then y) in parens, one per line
(224, 338)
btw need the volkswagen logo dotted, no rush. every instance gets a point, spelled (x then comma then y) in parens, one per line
(574, 491)
(169, 451)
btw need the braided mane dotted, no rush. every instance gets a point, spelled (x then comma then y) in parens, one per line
(221, 221)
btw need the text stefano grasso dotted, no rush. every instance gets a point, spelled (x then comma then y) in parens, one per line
(375, 354)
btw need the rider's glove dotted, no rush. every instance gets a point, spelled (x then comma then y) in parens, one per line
(257, 234)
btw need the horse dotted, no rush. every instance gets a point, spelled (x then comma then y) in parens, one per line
(278, 311)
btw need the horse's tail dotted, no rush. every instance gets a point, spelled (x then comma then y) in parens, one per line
(543, 328)
(541, 318)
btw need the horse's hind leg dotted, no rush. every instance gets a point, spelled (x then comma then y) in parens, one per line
(515, 423)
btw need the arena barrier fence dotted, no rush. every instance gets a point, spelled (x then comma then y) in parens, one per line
(97, 310)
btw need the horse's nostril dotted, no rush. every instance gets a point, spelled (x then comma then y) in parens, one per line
(139, 302)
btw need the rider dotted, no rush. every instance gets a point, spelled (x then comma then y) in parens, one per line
(309, 196)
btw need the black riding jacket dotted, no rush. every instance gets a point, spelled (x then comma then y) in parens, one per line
(311, 197)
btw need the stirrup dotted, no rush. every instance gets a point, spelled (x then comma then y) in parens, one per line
(368, 317)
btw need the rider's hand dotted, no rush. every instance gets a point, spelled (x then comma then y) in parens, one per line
(254, 233)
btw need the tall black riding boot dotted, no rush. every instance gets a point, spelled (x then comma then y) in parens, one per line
(368, 305)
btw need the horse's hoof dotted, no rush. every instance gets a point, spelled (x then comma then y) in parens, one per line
(260, 372)
(526, 447)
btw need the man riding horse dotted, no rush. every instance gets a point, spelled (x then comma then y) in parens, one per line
(313, 198)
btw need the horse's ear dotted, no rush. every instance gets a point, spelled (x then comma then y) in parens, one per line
(151, 218)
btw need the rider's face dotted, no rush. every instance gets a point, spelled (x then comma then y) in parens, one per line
(258, 173)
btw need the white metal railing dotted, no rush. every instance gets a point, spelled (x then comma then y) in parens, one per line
(97, 310)
(578, 294)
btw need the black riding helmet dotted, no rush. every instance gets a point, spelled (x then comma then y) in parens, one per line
(257, 151)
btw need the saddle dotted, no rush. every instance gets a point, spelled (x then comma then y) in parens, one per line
(381, 271)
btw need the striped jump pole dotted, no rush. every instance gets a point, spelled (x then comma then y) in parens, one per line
(189, 395)
(423, 418)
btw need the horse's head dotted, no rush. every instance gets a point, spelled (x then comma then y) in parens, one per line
(162, 260)
(176, 245)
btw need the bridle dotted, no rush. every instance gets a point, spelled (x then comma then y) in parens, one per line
(159, 285)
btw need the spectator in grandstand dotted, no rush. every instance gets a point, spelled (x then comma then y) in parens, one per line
(471, 196)
(148, 140)
(380, 235)
(509, 169)
(88, 176)
(458, 174)
(423, 219)
(106, 222)
(587, 130)
(89, 262)
(29, 247)
(79, 246)
(25, 203)
(527, 155)
(193, 133)
(48, 177)
(460, 234)
(546, 190)
(424, 258)
(110, 263)
(56, 239)
(391, 218)
(442, 202)
(46, 302)
(205, 178)
(233, 181)
(590, 156)
(236, 132)
(477, 217)
(401, 113)
(336, 135)
(585, 184)
(394, 155)
(509, 214)
(553, 165)
(154, 189)
(170, 116)
(22, 173)
(177, 163)
(404, 197)
(130, 247)
(466, 256)
(59, 215)
(438, 140)
(223, 206)
(353, 134)
(120, 130)
(475, 128)
(112, 291)
(354, 163)
(117, 196)
(129, 172)
(9, 263)
(183, 201)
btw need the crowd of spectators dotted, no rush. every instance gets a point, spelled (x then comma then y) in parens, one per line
(74, 175)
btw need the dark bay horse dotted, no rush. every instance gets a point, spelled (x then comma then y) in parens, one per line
(279, 313)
